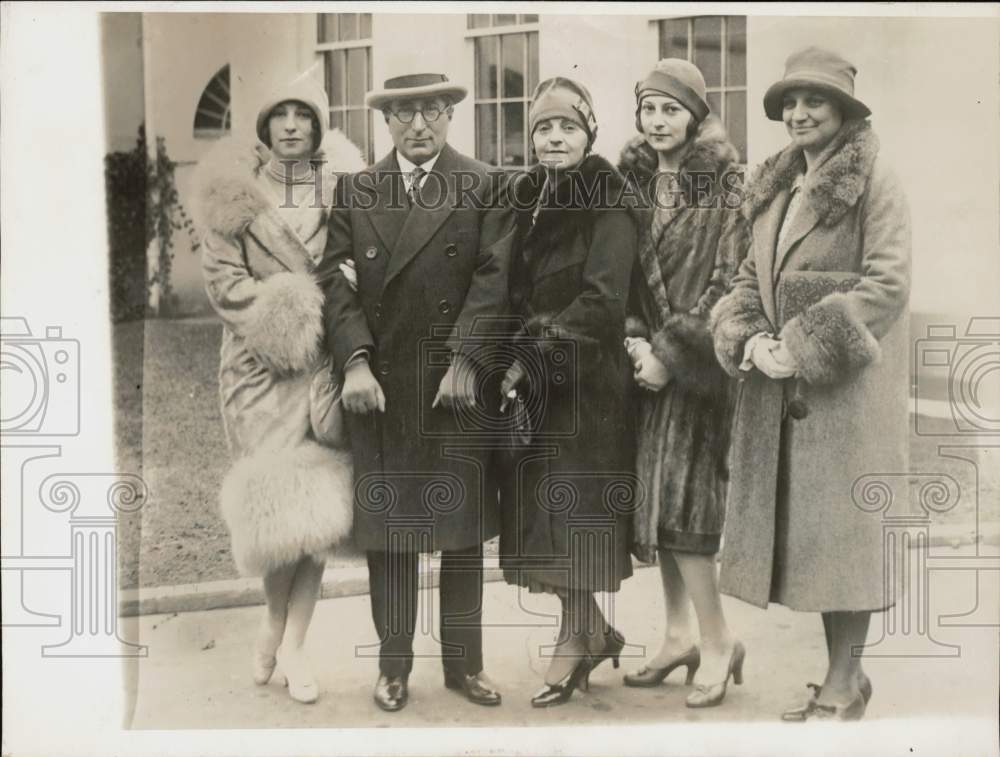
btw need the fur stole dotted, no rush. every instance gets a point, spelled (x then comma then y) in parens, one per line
(227, 196)
(834, 188)
(571, 205)
(709, 153)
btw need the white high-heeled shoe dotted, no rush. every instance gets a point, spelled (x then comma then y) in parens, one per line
(302, 686)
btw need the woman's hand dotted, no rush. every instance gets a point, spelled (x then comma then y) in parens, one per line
(772, 358)
(650, 373)
(350, 273)
(637, 347)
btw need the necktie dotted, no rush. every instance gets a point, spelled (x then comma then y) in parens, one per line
(415, 178)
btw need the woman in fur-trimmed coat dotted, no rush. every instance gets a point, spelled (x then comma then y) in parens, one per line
(693, 242)
(816, 323)
(287, 499)
(566, 498)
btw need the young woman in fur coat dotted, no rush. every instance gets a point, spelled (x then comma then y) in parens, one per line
(693, 242)
(816, 330)
(287, 499)
(565, 523)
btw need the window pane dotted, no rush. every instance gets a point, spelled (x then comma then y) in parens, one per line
(532, 64)
(708, 49)
(356, 128)
(512, 59)
(357, 75)
(505, 19)
(529, 18)
(715, 103)
(348, 26)
(736, 121)
(736, 52)
(366, 26)
(337, 119)
(479, 20)
(335, 76)
(329, 27)
(513, 134)
(674, 38)
(486, 133)
(486, 67)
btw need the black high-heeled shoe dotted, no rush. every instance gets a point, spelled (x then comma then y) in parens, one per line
(559, 693)
(614, 643)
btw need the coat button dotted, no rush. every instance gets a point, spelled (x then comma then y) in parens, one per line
(371, 253)
(451, 250)
(378, 309)
(383, 368)
(444, 307)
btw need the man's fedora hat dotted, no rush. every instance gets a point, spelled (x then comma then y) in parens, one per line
(414, 86)
(823, 70)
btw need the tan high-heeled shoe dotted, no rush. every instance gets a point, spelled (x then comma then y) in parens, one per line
(648, 676)
(302, 686)
(713, 694)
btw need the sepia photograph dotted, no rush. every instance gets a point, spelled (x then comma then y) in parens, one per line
(500, 378)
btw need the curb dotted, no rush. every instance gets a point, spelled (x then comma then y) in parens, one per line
(352, 581)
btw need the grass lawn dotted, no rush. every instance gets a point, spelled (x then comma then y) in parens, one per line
(168, 429)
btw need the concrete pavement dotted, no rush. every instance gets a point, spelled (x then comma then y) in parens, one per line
(197, 673)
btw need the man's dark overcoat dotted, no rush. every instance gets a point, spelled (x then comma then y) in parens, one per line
(432, 279)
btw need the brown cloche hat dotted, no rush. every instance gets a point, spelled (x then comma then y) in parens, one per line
(816, 68)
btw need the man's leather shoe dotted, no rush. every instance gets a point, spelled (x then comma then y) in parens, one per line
(476, 688)
(391, 692)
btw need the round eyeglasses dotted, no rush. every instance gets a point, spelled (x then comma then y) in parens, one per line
(406, 114)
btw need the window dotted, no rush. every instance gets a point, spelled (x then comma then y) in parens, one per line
(344, 40)
(718, 46)
(506, 68)
(211, 118)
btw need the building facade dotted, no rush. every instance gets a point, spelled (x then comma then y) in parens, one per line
(193, 78)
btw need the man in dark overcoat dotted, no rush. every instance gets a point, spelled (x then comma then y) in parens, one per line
(430, 246)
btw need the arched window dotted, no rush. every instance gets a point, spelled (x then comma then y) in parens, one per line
(211, 119)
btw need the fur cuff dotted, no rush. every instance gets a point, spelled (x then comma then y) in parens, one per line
(735, 318)
(285, 322)
(282, 505)
(635, 326)
(684, 345)
(829, 342)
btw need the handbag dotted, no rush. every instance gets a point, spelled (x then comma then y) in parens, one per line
(797, 291)
(326, 407)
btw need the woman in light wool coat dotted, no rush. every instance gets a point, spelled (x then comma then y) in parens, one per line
(287, 499)
(816, 322)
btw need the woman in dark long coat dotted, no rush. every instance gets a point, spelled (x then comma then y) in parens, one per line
(823, 405)
(567, 497)
(693, 242)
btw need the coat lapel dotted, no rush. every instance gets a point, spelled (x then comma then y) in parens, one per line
(804, 221)
(765, 235)
(279, 241)
(389, 212)
(422, 223)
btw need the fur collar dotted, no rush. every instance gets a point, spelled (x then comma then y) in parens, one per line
(833, 189)
(227, 195)
(570, 206)
(710, 153)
